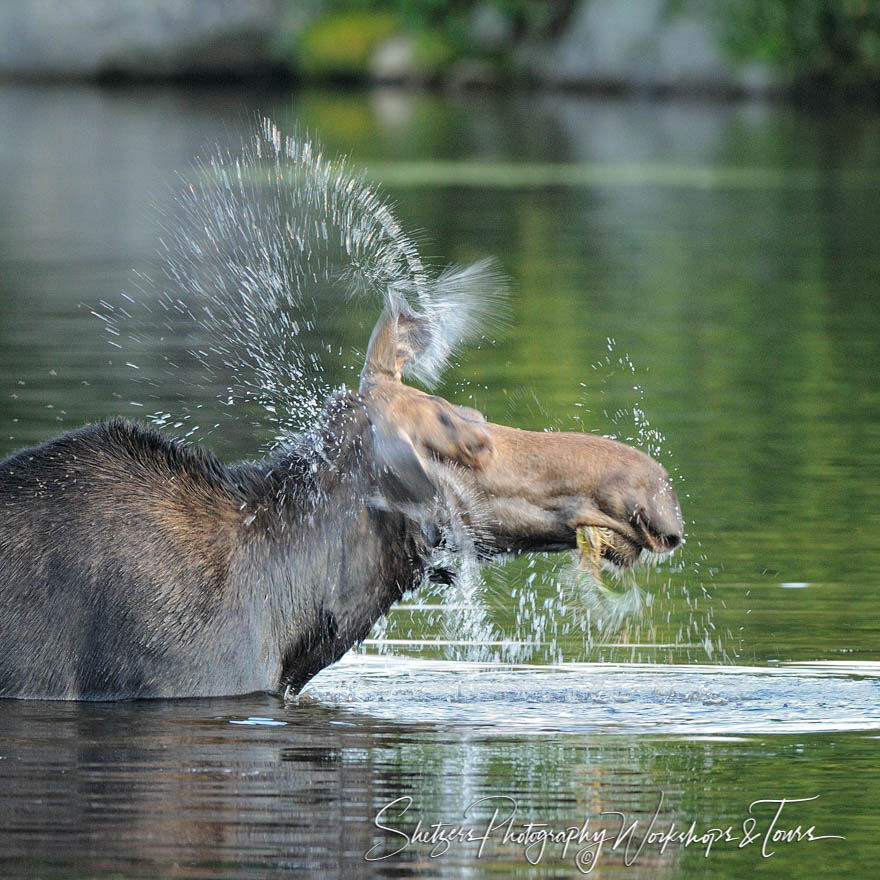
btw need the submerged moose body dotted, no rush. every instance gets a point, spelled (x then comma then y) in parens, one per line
(135, 565)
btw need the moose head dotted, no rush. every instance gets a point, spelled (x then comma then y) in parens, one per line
(535, 491)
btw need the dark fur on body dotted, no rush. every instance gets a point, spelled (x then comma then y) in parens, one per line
(134, 565)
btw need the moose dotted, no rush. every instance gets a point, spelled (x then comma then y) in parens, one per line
(135, 565)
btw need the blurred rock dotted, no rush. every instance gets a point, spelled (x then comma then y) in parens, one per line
(604, 44)
(394, 61)
(490, 29)
(160, 38)
(422, 58)
(639, 45)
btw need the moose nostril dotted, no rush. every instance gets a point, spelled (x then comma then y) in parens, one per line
(671, 541)
(663, 530)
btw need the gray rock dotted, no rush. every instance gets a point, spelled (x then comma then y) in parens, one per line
(87, 38)
(394, 61)
(490, 29)
(639, 44)
(623, 44)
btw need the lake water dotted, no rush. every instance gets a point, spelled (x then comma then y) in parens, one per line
(708, 272)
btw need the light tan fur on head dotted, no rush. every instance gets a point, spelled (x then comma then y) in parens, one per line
(537, 488)
(432, 425)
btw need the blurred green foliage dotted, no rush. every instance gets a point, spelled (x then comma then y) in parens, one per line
(814, 43)
(340, 45)
(817, 42)
(527, 17)
(342, 35)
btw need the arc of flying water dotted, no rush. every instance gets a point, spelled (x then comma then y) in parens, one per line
(256, 239)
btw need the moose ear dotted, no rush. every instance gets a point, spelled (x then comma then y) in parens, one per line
(452, 309)
(398, 339)
(400, 474)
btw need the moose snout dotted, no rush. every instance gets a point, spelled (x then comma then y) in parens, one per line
(663, 543)
(660, 525)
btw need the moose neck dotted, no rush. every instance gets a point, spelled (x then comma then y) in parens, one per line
(331, 561)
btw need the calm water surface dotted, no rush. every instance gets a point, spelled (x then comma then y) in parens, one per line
(713, 268)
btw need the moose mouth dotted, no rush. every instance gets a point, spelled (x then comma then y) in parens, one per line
(601, 547)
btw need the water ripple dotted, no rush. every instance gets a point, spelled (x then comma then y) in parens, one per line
(585, 697)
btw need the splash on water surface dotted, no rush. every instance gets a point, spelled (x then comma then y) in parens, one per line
(686, 700)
